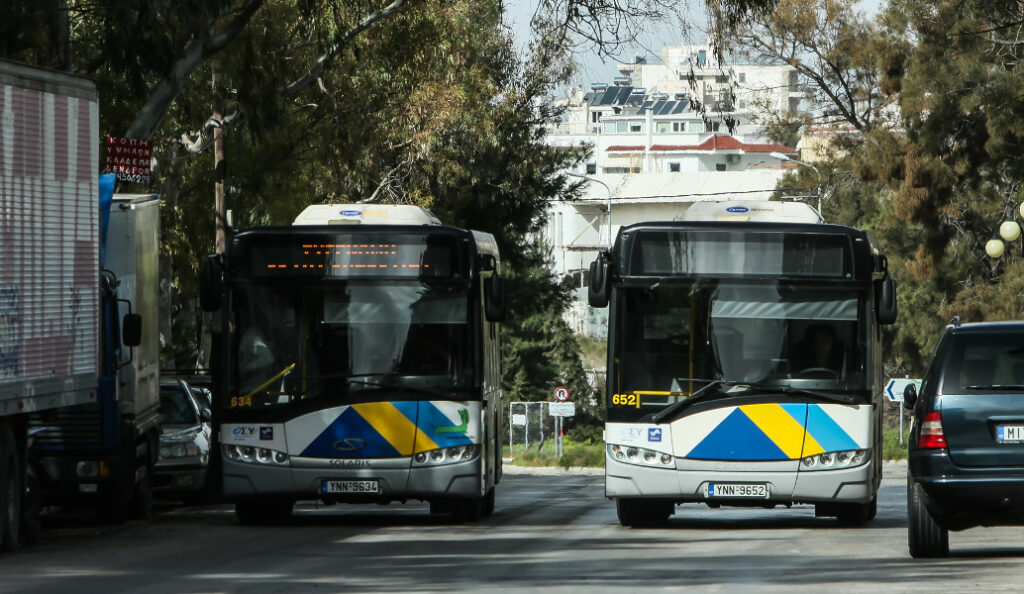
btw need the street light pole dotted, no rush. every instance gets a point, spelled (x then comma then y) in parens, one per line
(817, 189)
(609, 190)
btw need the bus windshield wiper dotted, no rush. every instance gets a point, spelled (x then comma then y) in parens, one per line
(390, 385)
(385, 382)
(786, 389)
(704, 393)
(1000, 387)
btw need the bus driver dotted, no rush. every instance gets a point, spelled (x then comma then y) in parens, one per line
(820, 349)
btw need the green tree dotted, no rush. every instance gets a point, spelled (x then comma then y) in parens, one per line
(934, 183)
(961, 167)
(842, 58)
(338, 100)
(541, 352)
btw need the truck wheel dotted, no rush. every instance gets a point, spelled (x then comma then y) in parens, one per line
(142, 496)
(142, 499)
(111, 509)
(924, 535)
(10, 492)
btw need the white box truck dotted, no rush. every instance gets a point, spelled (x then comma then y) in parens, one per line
(68, 382)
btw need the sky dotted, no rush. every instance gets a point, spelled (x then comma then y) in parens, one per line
(593, 68)
(649, 43)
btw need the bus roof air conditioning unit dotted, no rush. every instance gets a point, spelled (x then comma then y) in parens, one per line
(365, 214)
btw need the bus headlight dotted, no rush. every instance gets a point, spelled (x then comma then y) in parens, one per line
(254, 455)
(640, 456)
(448, 455)
(835, 460)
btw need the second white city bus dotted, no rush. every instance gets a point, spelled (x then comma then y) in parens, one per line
(744, 362)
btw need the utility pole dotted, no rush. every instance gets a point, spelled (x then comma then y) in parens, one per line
(219, 173)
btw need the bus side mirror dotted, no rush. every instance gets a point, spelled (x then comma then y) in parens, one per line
(599, 288)
(885, 299)
(211, 283)
(486, 262)
(131, 330)
(910, 396)
(494, 298)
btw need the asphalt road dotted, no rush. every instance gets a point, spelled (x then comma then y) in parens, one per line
(550, 531)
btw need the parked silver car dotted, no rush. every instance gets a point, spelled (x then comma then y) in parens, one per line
(181, 471)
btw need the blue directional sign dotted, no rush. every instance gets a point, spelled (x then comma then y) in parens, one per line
(894, 389)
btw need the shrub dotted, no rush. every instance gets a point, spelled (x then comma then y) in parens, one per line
(586, 433)
(582, 454)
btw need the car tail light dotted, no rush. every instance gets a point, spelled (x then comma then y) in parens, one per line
(931, 431)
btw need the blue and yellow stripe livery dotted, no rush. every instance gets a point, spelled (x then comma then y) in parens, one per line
(393, 429)
(773, 432)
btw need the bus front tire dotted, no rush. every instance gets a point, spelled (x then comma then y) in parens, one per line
(489, 503)
(637, 512)
(465, 510)
(857, 514)
(924, 535)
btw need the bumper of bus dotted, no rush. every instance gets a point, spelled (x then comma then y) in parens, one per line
(397, 480)
(847, 485)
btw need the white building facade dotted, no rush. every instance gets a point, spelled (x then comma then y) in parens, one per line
(662, 138)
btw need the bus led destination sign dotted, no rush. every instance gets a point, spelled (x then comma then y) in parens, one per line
(346, 255)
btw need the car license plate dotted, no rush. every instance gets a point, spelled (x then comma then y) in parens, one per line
(329, 486)
(737, 490)
(1010, 433)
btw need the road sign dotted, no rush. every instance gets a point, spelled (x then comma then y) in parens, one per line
(894, 389)
(562, 409)
(519, 420)
(561, 393)
(130, 159)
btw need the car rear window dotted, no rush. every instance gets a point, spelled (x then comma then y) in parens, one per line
(979, 362)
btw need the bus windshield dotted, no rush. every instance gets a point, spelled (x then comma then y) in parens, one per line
(345, 340)
(670, 339)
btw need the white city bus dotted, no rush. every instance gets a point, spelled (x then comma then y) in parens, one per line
(721, 389)
(358, 361)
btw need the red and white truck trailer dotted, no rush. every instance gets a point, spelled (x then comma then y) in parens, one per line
(90, 405)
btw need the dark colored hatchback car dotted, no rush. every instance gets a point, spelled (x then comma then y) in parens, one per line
(966, 448)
